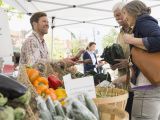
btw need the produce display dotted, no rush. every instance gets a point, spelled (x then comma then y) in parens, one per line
(54, 81)
(63, 67)
(50, 101)
(9, 112)
(51, 86)
(73, 109)
(111, 53)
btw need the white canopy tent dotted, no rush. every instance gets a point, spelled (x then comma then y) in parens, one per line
(72, 12)
(76, 13)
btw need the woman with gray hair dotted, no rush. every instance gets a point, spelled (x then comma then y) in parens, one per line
(146, 105)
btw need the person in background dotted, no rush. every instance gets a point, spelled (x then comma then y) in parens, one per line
(146, 105)
(15, 59)
(90, 55)
(34, 48)
(123, 63)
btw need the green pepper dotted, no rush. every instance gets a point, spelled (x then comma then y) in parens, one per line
(3, 100)
(6, 113)
(19, 113)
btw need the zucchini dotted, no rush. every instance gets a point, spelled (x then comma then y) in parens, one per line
(58, 118)
(91, 105)
(79, 111)
(43, 110)
(51, 107)
(81, 98)
(61, 118)
(59, 109)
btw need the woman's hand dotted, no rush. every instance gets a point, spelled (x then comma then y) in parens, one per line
(130, 39)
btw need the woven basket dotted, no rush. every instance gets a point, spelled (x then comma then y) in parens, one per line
(113, 96)
(31, 109)
(109, 112)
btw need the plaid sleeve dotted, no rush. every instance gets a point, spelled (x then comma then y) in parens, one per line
(31, 51)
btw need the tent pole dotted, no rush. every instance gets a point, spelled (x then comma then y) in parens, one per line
(52, 27)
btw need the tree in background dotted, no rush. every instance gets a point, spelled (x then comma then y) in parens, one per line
(110, 38)
(1, 2)
(11, 10)
(77, 45)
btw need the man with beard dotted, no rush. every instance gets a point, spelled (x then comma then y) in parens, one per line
(34, 48)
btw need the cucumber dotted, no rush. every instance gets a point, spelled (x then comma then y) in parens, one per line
(79, 111)
(91, 106)
(58, 118)
(61, 118)
(43, 110)
(51, 107)
(59, 109)
(81, 99)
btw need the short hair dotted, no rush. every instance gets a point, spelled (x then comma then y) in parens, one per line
(36, 16)
(118, 5)
(137, 8)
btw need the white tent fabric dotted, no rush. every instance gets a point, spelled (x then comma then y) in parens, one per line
(88, 19)
(73, 12)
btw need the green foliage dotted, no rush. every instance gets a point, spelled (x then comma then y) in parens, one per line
(12, 12)
(76, 46)
(1, 3)
(60, 48)
(110, 38)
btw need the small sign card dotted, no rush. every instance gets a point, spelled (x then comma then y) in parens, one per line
(74, 87)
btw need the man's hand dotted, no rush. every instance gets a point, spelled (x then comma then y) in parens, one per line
(69, 61)
(119, 80)
(123, 63)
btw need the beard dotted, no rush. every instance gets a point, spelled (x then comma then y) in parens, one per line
(44, 30)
